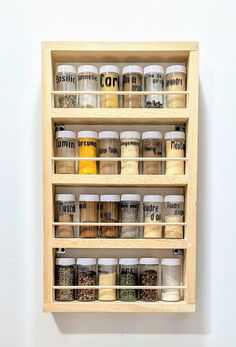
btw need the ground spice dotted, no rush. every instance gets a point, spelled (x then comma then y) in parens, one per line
(174, 213)
(65, 276)
(152, 209)
(176, 81)
(65, 147)
(109, 147)
(87, 148)
(171, 276)
(109, 81)
(109, 213)
(175, 148)
(129, 142)
(88, 205)
(107, 274)
(132, 81)
(152, 148)
(65, 209)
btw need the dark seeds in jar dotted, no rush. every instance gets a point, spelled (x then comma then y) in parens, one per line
(65, 276)
(149, 278)
(86, 279)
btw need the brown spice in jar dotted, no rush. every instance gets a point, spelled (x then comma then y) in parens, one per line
(87, 278)
(109, 213)
(88, 213)
(65, 230)
(132, 82)
(109, 148)
(149, 278)
(176, 81)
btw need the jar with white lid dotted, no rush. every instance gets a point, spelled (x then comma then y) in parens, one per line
(171, 274)
(154, 82)
(65, 80)
(65, 276)
(109, 147)
(65, 210)
(132, 81)
(109, 213)
(88, 207)
(152, 211)
(152, 148)
(174, 213)
(65, 147)
(87, 148)
(109, 82)
(130, 213)
(149, 276)
(175, 148)
(176, 81)
(107, 276)
(87, 80)
(87, 276)
(128, 276)
(129, 146)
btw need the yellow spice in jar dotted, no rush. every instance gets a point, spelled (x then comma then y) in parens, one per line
(87, 148)
(152, 231)
(108, 279)
(109, 81)
(173, 231)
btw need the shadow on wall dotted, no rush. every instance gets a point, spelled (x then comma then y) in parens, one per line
(167, 323)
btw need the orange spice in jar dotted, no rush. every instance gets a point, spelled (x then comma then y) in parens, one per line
(87, 148)
(132, 81)
(88, 209)
(176, 81)
(109, 82)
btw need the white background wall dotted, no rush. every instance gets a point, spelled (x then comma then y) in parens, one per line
(24, 24)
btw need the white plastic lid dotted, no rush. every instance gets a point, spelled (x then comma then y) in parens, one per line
(130, 197)
(152, 135)
(172, 135)
(66, 134)
(130, 135)
(174, 198)
(107, 261)
(175, 68)
(86, 261)
(88, 68)
(109, 68)
(87, 133)
(65, 261)
(65, 68)
(115, 198)
(65, 197)
(128, 261)
(132, 69)
(108, 135)
(88, 197)
(154, 68)
(149, 261)
(170, 261)
(153, 198)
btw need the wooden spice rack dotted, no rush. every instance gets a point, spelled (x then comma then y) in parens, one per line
(128, 52)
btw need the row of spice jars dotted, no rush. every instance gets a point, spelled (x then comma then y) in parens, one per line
(135, 78)
(131, 272)
(125, 209)
(127, 144)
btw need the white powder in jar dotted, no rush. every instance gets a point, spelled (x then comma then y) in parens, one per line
(130, 149)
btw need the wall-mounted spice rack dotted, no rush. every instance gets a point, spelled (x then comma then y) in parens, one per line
(120, 53)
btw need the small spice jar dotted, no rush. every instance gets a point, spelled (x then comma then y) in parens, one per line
(171, 276)
(88, 208)
(152, 211)
(109, 82)
(87, 148)
(65, 147)
(107, 276)
(154, 82)
(109, 147)
(128, 276)
(176, 81)
(65, 210)
(87, 275)
(65, 276)
(109, 213)
(175, 148)
(87, 80)
(130, 213)
(132, 81)
(65, 80)
(174, 213)
(149, 276)
(152, 148)
(129, 144)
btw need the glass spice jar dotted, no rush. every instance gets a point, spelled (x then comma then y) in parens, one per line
(152, 148)
(109, 147)
(171, 276)
(65, 210)
(130, 213)
(87, 148)
(87, 276)
(175, 148)
(174, 213)
(129, 144)
(88, 207)
(132, 81)
(65, 80)
(65, 276)
(154, 82)
(152, 211)
(128, 276)
(107, 276)
(109, 82)
(87, 80)
(65, 147)
(109, 213)
(176, 81)
(149, 276)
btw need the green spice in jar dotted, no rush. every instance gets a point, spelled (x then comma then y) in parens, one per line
(128, 276)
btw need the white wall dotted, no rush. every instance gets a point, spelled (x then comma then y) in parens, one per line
(24, 24)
